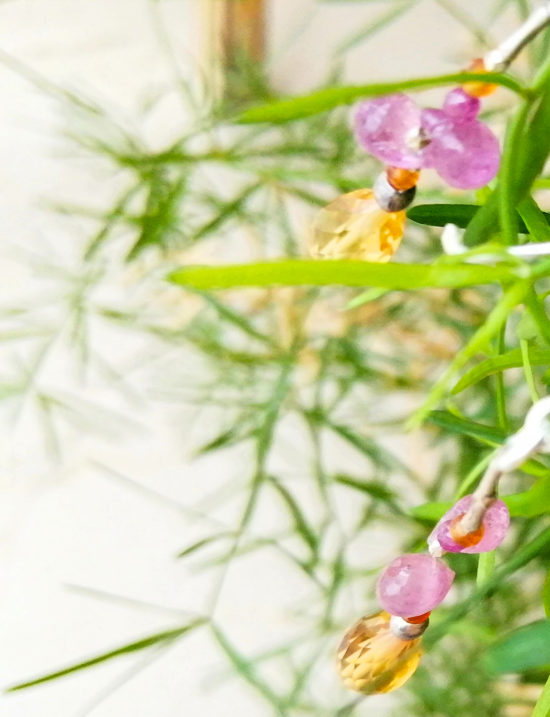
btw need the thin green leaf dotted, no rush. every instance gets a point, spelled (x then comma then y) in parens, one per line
(365, 297)
(510, 193)
(226, 211)
(528, 370)
(485, 222)
(532, 502)
(521, 650)
(328, 98)
(535, 220)
(481, 339)
(308, 535)
(143, 644)
(437, 215)
(366, 445)
(527, 504)
(336, 580)
(526, 329)
(465, 427)
(246, 670)
(430, 511)
(542, 708)
(496, 364)
(490, 435)
(236, 318)
(535, 306)
(223, 440)
(530, 146)
(199, 544)
(374, 489)
(159, 221)
(309, 272)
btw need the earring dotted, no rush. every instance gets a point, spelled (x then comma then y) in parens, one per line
(368, 224)
(382, 651)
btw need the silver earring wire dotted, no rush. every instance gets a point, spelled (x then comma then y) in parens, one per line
(498, 59)
(532, 437)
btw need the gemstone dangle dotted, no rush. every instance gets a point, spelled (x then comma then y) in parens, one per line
(354, 227)
(381, 652)
(368, 224)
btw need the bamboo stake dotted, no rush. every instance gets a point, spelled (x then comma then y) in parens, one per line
(234, 31)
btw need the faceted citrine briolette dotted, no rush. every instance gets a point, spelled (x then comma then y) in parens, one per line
(478, 89)
(372, 659)
(354, 227)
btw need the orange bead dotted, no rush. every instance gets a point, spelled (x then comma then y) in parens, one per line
(402, 179)
(478, 89)
(418, 619)
(467, 540)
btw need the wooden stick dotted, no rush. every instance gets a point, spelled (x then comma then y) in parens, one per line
(234, 31)
(244, 30)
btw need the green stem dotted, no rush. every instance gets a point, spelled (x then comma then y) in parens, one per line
(500, 389)
(506, 199)
(528, 370)
(485, 567)
(542, 708)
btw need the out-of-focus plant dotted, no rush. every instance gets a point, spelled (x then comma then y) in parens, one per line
(331, 346)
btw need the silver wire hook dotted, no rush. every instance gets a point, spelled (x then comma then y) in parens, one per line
(532, 437)
(498, 59)
(451, 241)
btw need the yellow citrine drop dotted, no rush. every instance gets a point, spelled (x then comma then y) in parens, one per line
(354, 227)
(372, 659)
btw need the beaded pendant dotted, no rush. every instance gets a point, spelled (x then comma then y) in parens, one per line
(368, 224)
(374, 658)
(382, 651)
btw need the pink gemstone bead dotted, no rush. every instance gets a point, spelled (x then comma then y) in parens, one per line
(414, 584)
(466, 155)
(461, 107)
(388, 127)
(495, 523)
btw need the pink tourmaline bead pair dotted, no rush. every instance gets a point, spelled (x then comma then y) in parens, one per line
(464, 152)
(415, 584)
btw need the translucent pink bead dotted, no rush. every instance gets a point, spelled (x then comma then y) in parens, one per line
(388, 127)
(496, 523)
(466, 155)
(452, 141)
(460, 106)
(414, 584)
